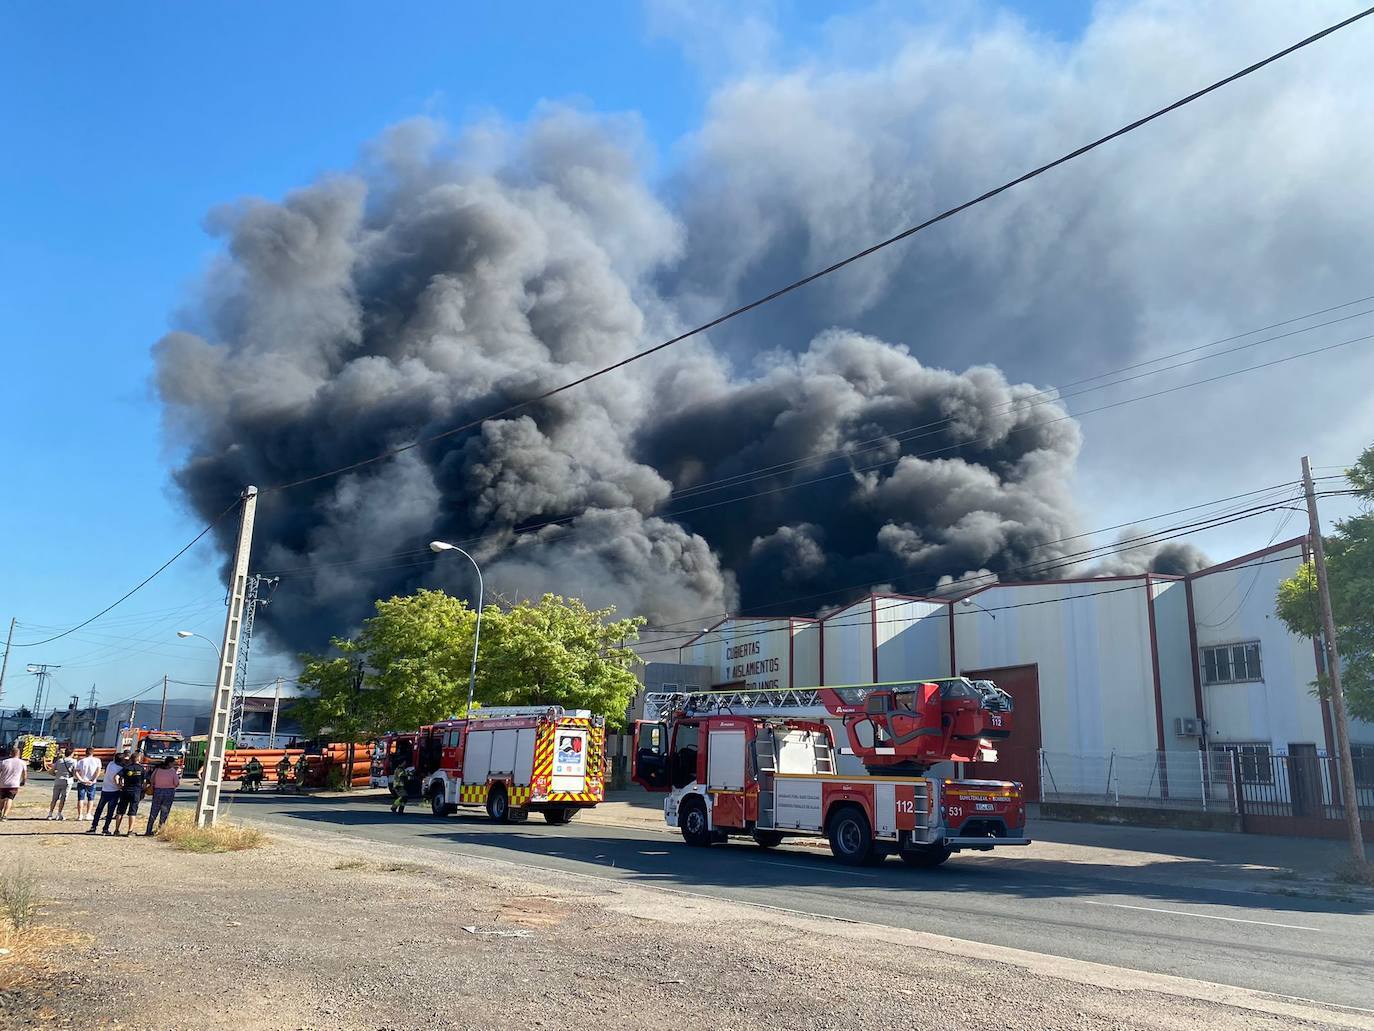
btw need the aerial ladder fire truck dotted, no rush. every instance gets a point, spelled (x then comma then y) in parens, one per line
(764, 763)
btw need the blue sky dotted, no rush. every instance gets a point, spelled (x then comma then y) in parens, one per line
(123, 126)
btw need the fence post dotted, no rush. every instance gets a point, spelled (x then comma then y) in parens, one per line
(1042, 775)
(1202, 776)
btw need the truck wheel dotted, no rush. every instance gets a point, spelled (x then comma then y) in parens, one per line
(692, 820)
(498, 805)
(767, 839)
(559, 815)
(926, 857)
(851, 838)
(437, 805)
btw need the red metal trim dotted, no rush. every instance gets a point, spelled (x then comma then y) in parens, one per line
(820, 655)
(953, 664)
(873, 623)
(1243, 559)
(907, 597)
(1050, 583)
(1196, 664)
(851, 605)
(791, 655)
(1154, 661)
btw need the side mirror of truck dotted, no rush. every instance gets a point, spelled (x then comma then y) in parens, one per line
(649, 764)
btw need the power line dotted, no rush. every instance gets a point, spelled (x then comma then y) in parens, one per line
(1038, 567)
(129, 594)
(950, 602)
(842, 263)
(1048, 396)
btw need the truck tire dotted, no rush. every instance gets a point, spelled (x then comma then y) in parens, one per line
(851, 838)
(437, 805)
(926, 857)
(767, 839)
(695, 827)
(559, 815)
(498, 804)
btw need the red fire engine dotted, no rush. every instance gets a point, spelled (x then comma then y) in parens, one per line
(765, 764)
(515, 761)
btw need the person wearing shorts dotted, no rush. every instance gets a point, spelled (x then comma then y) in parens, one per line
(14, 774)
(109, 792)
(131, 781)
(87, 774)
(63, 773)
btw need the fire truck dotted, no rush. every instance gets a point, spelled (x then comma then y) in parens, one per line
(515, 760)
(392, 751)
(765, 764)
(156, 745)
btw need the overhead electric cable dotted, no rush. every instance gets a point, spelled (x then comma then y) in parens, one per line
(842, 263)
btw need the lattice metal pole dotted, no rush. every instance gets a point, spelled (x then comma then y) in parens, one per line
(207, 803)
(250, 608)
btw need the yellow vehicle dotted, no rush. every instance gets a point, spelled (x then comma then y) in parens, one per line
(37, 751)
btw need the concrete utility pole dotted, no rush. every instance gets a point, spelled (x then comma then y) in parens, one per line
(5, 662)
(1349, 797)
(207, 802)
(94, 714)
(162, 713)
(276, 705)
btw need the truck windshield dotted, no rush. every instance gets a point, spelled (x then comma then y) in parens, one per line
(163, 747)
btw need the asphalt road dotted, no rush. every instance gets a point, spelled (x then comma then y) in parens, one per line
(1311, 948)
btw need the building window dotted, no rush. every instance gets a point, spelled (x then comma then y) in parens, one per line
(1256, 766)
(1231, 663)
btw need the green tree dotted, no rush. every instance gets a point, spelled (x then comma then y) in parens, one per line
(1350, 570)
(416, 653)
(559, 652)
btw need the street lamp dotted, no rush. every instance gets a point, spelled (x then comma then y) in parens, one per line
(970, 603)
(183, 634)
(438, 547)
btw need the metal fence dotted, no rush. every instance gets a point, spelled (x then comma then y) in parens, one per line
(1184, 779)
(1301, 794)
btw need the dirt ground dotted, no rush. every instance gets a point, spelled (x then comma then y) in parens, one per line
(320, 931)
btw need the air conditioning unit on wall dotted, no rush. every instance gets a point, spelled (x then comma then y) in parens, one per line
(1185, 726)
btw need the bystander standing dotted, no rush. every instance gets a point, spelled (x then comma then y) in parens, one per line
(132, 780)
(166, 779)
(109, 792)
(63, 773)
(14, 774)
(87, 773)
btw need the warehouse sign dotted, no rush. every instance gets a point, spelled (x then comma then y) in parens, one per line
(754, 655)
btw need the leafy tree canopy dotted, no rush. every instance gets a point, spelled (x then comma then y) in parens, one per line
(1350, 570)
(416, 652)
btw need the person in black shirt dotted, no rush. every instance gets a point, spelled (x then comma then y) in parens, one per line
(131, 783)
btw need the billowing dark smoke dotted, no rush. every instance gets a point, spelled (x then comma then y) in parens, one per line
(443, 282)
(1173, 558)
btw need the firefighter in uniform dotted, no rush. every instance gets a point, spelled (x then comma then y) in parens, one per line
(300, 772)
(252, 774)
(400, 783)
(283, 773)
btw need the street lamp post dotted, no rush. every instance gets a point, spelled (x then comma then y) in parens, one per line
(970, 603)
(439, 547)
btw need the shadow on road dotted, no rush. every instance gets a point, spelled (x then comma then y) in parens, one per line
(650, 855)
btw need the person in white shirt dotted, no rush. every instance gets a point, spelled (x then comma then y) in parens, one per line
(63, 773)
(14, 774)
(109, 791)
(87, 773)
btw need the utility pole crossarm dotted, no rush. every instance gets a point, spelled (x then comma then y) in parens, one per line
(1333, 672)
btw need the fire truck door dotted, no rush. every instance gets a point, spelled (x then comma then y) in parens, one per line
(725, 760)
(477, 758)
(650, 761)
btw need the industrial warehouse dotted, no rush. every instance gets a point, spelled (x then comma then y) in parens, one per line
(1144, 690)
